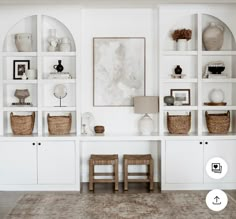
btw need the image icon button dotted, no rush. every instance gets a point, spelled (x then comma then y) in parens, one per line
(216, 168)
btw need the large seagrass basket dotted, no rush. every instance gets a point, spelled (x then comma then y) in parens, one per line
(218, 123)
(178, 124)
(22, 124)
(59, 125)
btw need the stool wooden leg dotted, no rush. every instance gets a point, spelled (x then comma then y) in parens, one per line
(125, 175)
(151, 175)
(91, 175)
(116, 175)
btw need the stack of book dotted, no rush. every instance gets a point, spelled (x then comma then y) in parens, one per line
(59, 75)
(217, 76)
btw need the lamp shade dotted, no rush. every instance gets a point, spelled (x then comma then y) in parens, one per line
(146, 104)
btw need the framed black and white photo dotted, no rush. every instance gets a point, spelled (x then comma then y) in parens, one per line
(19, 68)
(118, 70)
(181, 96)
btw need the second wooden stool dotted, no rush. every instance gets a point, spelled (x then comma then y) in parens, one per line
(106, 159)
(131, 159)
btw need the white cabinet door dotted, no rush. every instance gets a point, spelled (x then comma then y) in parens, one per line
(56, 162)
(18, 163)
(225, 149)
(184, 162)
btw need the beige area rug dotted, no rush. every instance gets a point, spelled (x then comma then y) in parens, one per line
(178, 205)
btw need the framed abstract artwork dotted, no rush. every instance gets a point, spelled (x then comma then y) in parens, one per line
(118, 70)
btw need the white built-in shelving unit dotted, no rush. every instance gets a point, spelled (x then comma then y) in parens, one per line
(193, 62)
(184, 157)
(54, 162)
(41, 89)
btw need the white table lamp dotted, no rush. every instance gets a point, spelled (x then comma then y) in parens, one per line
(145, 105)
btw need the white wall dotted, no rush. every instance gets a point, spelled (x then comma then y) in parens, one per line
(117, 120)
(115, 23)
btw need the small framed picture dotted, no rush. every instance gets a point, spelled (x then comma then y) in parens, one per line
(181, 96)
(19, 68)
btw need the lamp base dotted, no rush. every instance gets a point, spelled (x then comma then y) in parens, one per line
(146, 125)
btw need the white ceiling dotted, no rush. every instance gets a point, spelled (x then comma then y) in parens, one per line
(97, 3)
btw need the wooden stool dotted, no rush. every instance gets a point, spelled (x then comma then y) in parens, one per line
(145, 159)
(98, 159)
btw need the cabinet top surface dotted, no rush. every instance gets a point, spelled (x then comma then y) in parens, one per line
(113, 2)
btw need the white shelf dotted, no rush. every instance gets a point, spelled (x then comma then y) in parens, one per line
(121, 137)
(64, 81)
(179, 108)
(223, 80)
(57, 54)
(219, 107)
(167, 135)
(181, 80)
(180, 53)
(19, 54)
(20, 82)
(19, 109)
(10, 135)
(58, 109)
(229, 135)
(47, 135)
(218, 53)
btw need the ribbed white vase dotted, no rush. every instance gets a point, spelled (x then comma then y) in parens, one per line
(182, 45)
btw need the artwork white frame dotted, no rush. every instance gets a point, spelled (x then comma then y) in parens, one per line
(119, 65)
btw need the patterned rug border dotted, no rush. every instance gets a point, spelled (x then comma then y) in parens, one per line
(164, 205)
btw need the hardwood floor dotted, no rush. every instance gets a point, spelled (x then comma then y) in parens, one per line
(8, 201)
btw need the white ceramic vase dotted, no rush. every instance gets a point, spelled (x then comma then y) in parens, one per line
(65, 45)
(31, 74)
(52, 40)
(23, 42)
(216, 96)
(182, 45)
(213, 37)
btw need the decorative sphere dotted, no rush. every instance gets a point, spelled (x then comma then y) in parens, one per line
(216, 96)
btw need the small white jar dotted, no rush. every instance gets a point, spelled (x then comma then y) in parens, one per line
(31, 74)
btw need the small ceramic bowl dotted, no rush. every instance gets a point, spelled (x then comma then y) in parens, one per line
(99, 129)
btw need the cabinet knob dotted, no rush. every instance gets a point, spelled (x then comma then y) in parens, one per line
(39, 143)
(206, 142)
(33, 143)
(200, 142)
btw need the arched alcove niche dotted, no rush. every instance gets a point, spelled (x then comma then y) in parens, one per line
(25, 25)
(61, 31)
(32, 25)
(184, 22)
(229, 40)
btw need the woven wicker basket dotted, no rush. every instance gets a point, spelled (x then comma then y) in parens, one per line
(59, 125)
(218, 123)
(22, 125)
(179, 124)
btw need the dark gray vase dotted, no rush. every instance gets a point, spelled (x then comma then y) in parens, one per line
(169, 100)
